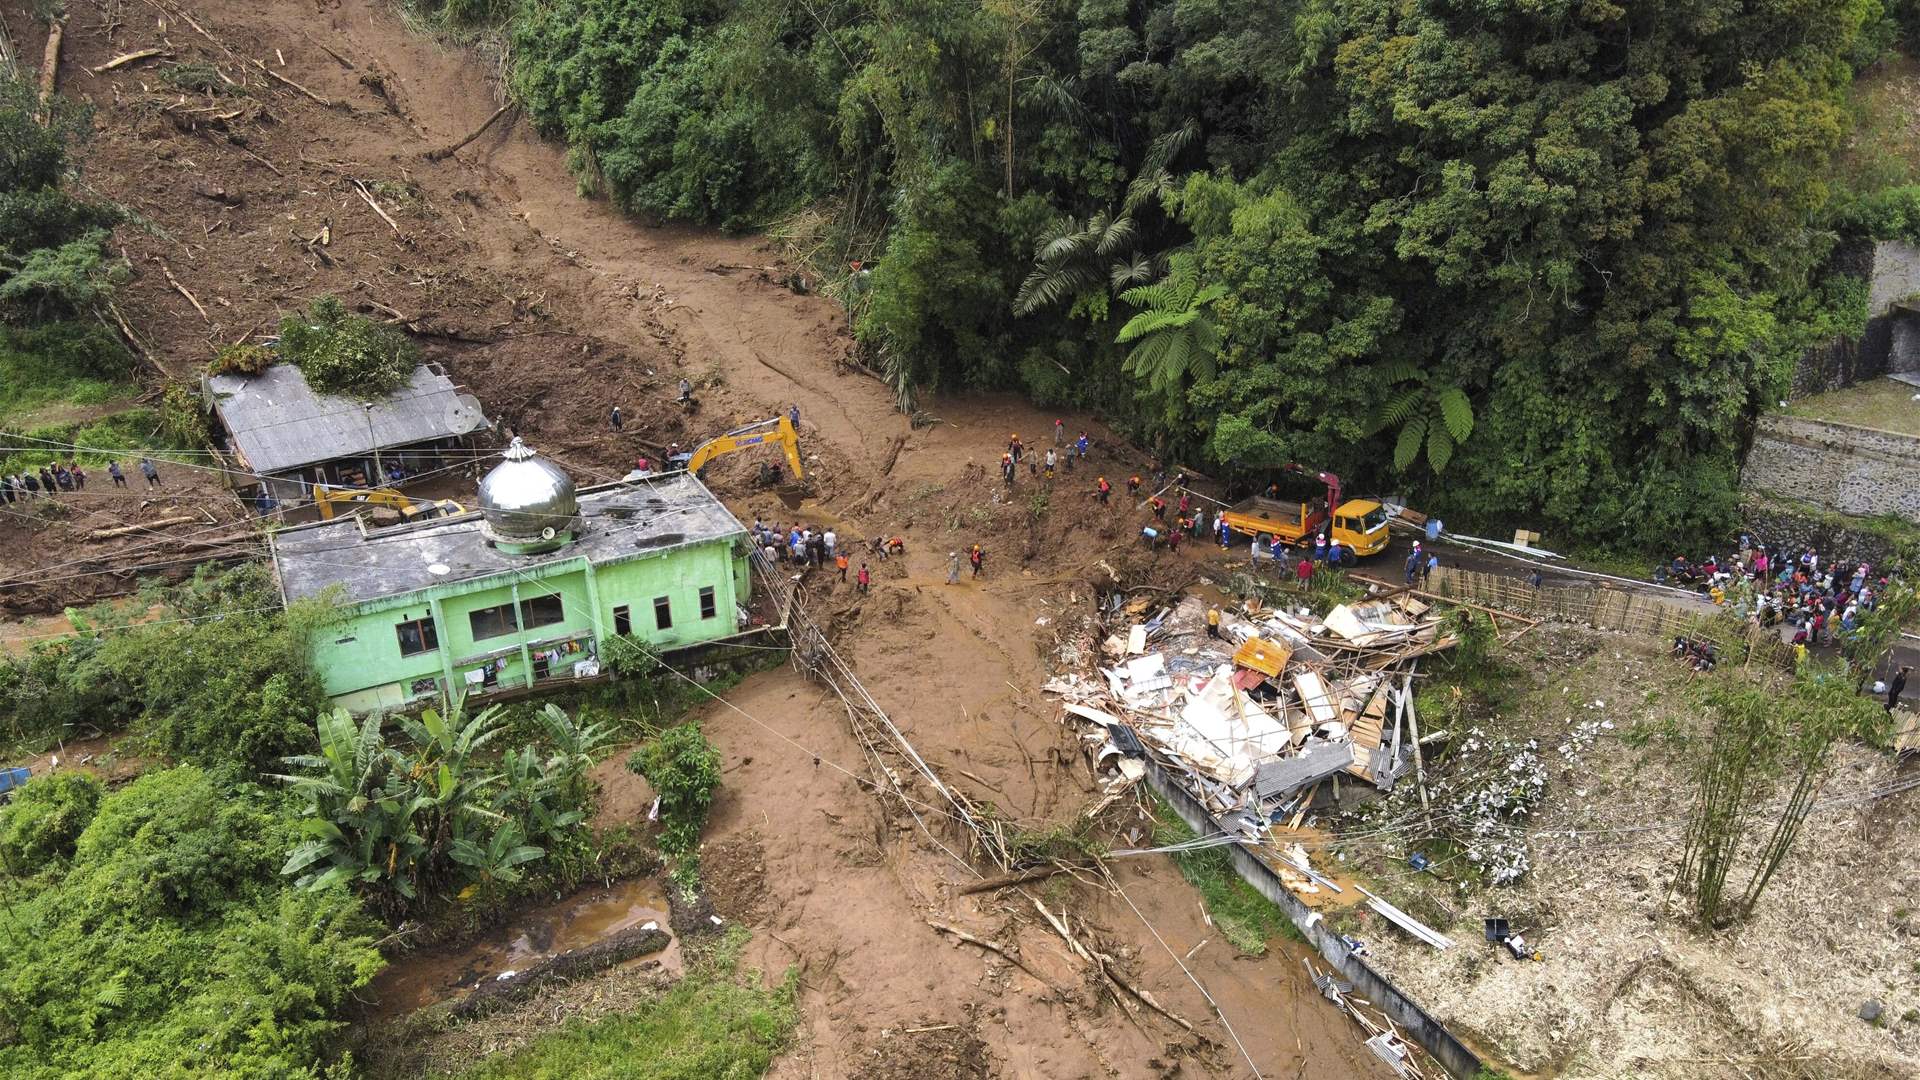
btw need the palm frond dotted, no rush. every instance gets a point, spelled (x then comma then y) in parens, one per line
(1113, 235)
(1123, 275)
(1046, 287)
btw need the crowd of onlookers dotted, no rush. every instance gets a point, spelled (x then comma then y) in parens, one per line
(50, 480)
(1819, 597)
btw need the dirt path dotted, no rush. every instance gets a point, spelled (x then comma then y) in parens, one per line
(551, 309)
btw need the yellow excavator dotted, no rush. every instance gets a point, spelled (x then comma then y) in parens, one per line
(777, 430)
(332, 500)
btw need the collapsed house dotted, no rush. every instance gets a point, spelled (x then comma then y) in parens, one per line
(1254, 722)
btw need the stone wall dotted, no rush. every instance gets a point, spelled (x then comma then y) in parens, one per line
(1782, 526)
(1891, 341)
(1853, 470)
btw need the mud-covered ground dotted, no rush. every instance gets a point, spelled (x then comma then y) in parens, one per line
(552, 309)
(1629, 986)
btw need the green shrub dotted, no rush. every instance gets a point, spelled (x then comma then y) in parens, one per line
(45, 819)
(221, 678)
(169, 947)
(684, 769)
(242, 360)
(347, 354)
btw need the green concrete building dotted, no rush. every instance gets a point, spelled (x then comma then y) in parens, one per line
(524, 591)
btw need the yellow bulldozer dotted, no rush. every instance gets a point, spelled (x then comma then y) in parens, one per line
(331, 501)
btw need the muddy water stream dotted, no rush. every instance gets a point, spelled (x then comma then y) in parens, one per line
(435, 975)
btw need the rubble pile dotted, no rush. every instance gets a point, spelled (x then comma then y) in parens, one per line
(1254, 720)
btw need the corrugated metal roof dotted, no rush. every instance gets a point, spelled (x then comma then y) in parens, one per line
(619, 521)
(279, 423)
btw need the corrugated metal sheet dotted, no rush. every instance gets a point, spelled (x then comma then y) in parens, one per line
(279, 423)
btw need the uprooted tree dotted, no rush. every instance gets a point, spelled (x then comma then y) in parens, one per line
(1758, 735)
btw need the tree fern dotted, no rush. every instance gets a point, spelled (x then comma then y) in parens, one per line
(1436, 418)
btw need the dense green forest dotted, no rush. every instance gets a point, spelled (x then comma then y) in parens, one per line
(1540, 262)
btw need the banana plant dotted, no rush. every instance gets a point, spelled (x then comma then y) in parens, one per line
(499, 858)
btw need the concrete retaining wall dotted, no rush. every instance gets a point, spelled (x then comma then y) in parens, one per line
(1452, 1054)
(1853, 470)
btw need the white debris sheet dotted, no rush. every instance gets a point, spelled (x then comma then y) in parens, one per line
(1255, 719)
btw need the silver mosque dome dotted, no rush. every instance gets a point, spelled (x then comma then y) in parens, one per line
(527, 499)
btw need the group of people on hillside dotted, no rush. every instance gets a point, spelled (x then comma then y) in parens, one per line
(802, 546)
(52, 479)
(1819, 597)
(1062, 452)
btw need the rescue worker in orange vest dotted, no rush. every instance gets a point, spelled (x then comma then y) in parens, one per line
(1105, 490)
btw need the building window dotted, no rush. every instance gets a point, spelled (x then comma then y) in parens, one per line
(541, 611)
(622, 620)
(492, 622)
(540, 666)
(706, 603)
(662, 613)
(417, 636)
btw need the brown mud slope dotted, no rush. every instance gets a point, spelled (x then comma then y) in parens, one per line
(552, 308)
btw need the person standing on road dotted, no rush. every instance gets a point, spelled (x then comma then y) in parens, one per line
(1413, 567)
(1006, 467)
(1304, 572)
(152, 474)
(1059, 432)
(119, 478)
(1334, 554)
(832, 541)
(1052, 460)
(865, 578)
(1253, 552)
(953, 568)
(1080, 445)
(1427, 569)
(793, 415)
(80, 481)
(1103, 489)
(1895, 685)
(1320, 548)
(840, 564)
(1213, 622)
(1013, 447)
(978, 558)
(613, 418)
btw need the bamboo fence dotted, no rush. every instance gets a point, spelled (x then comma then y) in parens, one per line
(1605, 608)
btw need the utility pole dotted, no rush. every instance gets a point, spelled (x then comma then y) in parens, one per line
(379, 475)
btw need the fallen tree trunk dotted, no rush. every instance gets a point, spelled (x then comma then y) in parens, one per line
(50, 67)
(498, 992)
(1011, 880)
(107, 534)
(449, 151)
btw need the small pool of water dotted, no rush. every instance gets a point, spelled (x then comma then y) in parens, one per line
(420, 979)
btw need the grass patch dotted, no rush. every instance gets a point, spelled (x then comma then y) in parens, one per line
(716, 1022)
(1245, 918)
(1882, 404)
(117, 437)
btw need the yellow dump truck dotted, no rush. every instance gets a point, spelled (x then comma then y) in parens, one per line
(1359, 524)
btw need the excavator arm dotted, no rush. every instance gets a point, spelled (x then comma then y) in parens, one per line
(329, 500)
(777, 430)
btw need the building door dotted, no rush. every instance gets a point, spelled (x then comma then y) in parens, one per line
(622, 620)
